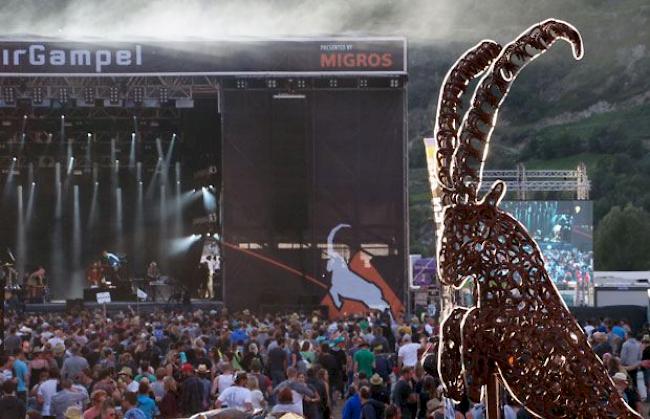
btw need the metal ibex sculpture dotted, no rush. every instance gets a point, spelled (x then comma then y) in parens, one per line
(520, 329)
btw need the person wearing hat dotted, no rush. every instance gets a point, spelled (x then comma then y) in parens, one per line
(72, 412)
(370, 409)
(435, 409)
(378, 390)
(126, 376)
(203, 372)
(191, 395)
(622, 384)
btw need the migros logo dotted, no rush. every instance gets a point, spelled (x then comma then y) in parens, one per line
(356, 60)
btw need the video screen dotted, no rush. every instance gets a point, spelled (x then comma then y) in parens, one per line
(564, 232)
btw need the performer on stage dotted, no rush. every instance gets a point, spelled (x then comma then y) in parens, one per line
(95, 275)
(153, 274)
(36, 283)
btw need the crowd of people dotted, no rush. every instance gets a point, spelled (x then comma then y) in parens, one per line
(169, 364)
(626, 355)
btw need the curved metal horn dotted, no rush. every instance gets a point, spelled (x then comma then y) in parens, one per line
(478, 123)
(474, 62)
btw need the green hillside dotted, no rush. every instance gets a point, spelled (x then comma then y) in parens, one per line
(560, 112)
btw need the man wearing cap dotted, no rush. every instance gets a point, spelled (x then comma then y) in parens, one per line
(191, 396)
(630, 396)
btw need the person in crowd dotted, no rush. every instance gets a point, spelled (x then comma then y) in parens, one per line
(364, 360)
(144, 401)
(285, 404)
(237, 396)
(631, 397)
(21, 374)
(74, 364)
(97, 399)
(130, 406)
(296, 382)
(352, 406)
(108, 410)
(191, 397)
(404, 395)
(631, 355)
(277, 362)
(257, 397)
(407, 355)
(11, 407)
(601, 344)
(169, 404)
(65, 398)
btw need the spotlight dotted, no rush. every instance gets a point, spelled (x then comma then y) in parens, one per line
(62, 116)
(63, 94)
(138, 94)
(37, 95)
(24, 116)
(89, 94)
(164, 95)
(114, 96)
(9, 95)
(33, 183)
(14, 159)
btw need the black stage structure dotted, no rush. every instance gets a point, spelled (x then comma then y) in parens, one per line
(287, 155)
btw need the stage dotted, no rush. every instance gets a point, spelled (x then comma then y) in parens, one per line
(60, 306)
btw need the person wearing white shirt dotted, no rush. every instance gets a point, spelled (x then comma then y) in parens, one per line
(45, 392)
(408, 352)
(236, 396)
(223, 380)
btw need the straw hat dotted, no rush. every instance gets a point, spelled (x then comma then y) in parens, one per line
(72, 412)
(202, 369)
(619, 376)
(376, 380)
(126, 371)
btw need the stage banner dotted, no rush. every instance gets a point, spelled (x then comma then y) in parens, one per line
(219, 57)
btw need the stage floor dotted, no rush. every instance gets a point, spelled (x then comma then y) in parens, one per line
(115, 306)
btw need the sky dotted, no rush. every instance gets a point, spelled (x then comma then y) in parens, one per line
(438, 20)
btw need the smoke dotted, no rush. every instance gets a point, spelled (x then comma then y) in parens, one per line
(187, 19)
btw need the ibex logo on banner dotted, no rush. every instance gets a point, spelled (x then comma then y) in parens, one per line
(356, 286)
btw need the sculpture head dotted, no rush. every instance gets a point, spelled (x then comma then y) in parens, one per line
(462, 143)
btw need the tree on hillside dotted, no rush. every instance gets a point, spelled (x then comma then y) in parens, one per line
(623, 240)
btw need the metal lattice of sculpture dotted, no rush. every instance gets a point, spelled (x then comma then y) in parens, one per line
(520, 329)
